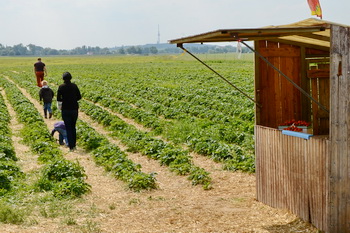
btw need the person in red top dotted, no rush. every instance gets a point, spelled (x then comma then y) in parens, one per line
(39, 71)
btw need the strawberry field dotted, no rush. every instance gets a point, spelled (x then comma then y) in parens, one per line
(159, 131)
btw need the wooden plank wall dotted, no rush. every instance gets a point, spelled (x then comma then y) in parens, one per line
(339, 201)
(280, 100)
(292, 173)
(319, 76)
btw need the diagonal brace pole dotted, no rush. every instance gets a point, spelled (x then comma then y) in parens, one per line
(231, 84)
(290, 80)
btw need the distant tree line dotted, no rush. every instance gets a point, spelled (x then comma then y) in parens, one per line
(33, 50)
(171, 49)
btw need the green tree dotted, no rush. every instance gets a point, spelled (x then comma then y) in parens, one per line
(131, 50)
(153, 50)
(20, 49)
(121, 50)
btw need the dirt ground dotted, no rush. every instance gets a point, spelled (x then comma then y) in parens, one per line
(176, 206)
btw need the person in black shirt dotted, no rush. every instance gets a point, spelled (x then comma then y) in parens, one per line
(68, 94)
(46, 95)
(39, 71)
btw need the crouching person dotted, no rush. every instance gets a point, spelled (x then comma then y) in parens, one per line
(61, 129)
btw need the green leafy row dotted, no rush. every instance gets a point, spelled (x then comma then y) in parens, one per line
(7, 151)
(152, 103)
(201, 112)
(113, 159)
(173, 104)
(177, 159)
(196, 134)
(36, 135)
(35, 132)
(202, 129)
(105, 154)
(9, 171)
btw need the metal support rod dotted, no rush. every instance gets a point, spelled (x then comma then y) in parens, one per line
(231, 84)
(290, 80)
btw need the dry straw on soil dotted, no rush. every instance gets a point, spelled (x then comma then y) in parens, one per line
(176, 206)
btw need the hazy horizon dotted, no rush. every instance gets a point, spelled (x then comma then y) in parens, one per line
(63, 24)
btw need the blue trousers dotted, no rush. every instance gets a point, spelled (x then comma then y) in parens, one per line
(47, 107)
(70, 118)
(62, 136)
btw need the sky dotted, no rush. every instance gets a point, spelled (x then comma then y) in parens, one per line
(67, 24)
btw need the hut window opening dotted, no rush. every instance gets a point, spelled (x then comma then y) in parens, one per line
(318, 74)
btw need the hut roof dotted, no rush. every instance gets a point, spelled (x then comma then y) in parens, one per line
(313, 33)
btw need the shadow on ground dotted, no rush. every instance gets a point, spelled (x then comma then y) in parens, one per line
(296, 226)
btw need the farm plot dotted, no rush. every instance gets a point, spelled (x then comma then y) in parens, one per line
(183, 103)
(196, 126)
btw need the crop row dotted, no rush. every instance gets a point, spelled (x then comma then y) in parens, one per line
(172, 82)
(208, 132)
(9, 171)
(209, 117)
(187, 89)
(113, 159)
(198, 102)
(63, 177)
(216, 125)
(197, 135)
(105, 154)
(176, 158)
(170, 107)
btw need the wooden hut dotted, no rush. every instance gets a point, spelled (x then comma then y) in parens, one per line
(310, 177)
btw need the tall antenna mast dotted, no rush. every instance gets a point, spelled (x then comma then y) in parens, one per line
(158, 35)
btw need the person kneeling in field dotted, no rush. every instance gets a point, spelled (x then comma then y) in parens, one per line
(61, 129)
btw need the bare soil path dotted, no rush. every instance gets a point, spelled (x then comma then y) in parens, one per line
(176, 206)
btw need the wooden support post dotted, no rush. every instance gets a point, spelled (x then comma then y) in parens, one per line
(338, 211)
(305, 84)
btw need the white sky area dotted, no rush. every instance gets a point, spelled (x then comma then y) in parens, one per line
(67, 24)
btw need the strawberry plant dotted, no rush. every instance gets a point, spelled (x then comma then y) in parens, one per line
(215, 117)
(137, 141)
(36, 135)
(9, 171)
(113, 159)
(64, 177)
